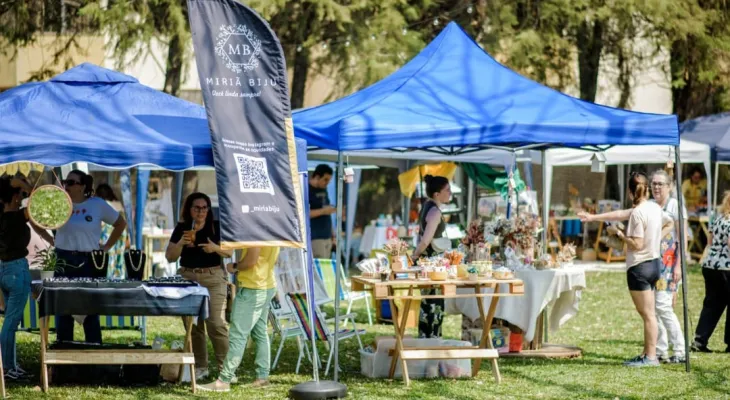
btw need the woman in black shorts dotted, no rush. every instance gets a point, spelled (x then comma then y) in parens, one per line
(643, 242)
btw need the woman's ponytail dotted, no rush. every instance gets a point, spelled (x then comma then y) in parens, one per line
(639, 187)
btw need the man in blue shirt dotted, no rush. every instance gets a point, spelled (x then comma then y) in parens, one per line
(320, 211)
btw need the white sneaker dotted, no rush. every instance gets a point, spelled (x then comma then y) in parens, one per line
(215, 386)
(234, 380)
(201, 373)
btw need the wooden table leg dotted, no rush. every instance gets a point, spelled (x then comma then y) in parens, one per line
(188, 348)
(400, 321)
(486, 341)
(396, 354)
(44, 346)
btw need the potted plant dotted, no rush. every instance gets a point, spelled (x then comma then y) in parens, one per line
(473, 273)
(48, 261)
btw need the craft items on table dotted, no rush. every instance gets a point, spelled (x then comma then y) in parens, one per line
(397, 251)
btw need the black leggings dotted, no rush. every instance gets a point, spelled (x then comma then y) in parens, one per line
(717, 299)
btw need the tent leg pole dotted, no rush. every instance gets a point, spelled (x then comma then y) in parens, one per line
(338, 255)
(716, 183)
(682, 257)
(545, 220)
(308, 270)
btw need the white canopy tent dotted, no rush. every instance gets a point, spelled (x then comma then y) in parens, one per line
(689, 152)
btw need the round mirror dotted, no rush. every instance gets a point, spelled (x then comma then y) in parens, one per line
(49, 207)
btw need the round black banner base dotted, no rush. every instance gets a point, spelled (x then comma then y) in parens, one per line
(322, 390)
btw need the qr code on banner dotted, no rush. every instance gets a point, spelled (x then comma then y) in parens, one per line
(253, 174)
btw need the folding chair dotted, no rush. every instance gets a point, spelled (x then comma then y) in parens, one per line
(324, 266)
(298, 302)
(285, 325)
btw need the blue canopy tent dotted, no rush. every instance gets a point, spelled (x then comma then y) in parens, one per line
(91, 114)
(713, 130)
(104, 117)
(454, 98)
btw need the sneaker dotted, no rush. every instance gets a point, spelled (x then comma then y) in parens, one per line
(14, 375)
(216, 386)
(663, 359)
(633, 360)
(642, 361)
(234, 380)
(700, 348)
(201, 373)
(259, 383)
(23, 372)
(677, 360)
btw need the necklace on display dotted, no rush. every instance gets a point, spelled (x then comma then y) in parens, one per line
(103, 259)
(135, 268)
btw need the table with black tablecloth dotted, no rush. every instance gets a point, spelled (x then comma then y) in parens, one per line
(190, 303)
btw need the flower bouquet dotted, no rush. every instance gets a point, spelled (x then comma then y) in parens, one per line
(397, 251)
(566, 255)
(474, 234)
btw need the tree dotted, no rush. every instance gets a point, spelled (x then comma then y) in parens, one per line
(135, 28)
(21, 23)
(700, 62)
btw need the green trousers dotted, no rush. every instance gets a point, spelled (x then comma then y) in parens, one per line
(249, 317)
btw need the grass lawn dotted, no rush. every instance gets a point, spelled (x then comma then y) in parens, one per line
(607, 329)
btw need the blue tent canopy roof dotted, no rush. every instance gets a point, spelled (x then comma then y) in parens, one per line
(454, 94)
(713, 130)
(96, 115)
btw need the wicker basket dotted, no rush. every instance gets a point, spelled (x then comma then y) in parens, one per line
(439, 276)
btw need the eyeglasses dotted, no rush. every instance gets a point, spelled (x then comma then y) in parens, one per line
(658, 184)
(71, 182)
(200, 209)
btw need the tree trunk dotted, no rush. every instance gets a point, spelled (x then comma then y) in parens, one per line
(299, 79)
(175, 61)
(693, 98)
(624, 76)
(590, 47)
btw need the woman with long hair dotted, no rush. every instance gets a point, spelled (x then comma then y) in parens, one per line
(432, 227)
(716, 271)
(78, 238)
(14, 274)
(643, 249)
(195, 242)
(116, 268)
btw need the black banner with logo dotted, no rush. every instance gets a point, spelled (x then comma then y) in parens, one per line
(244, 82)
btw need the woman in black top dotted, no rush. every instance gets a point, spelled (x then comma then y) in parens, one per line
(432, 226)
(14, 273)
(200, 261)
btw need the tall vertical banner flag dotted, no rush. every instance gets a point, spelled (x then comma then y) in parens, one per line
(244, 81)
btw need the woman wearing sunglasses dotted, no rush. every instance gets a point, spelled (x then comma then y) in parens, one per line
(78, 238)
(195, 243)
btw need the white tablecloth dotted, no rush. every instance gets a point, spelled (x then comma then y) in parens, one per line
(560, 288)
(375, 237)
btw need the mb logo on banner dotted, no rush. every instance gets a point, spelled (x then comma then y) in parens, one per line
(243, 77)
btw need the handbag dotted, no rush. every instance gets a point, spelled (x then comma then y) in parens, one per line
(441, 245)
